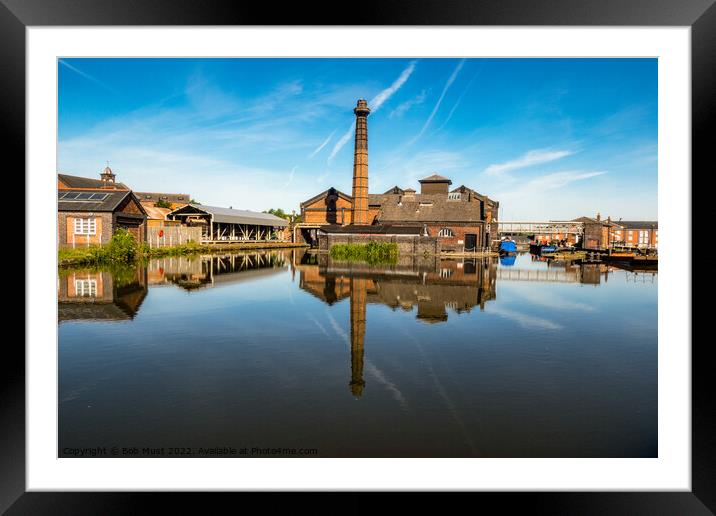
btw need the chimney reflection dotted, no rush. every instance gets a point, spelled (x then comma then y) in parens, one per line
(431, 289)
(358, 298)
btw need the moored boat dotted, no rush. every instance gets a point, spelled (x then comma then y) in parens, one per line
(508, 247)
(542, 248)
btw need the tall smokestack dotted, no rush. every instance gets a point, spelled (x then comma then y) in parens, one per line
(360, 165)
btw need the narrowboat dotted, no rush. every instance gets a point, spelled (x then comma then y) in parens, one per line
(542, 249)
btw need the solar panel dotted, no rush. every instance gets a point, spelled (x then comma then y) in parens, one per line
(99, 196)
(69, 195)
(83, 196)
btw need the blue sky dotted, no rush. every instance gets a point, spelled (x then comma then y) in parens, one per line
(548, 138)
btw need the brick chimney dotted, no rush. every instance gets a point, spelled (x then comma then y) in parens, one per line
(599, 217)
(360, 165)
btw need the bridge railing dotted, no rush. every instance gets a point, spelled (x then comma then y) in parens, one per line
(549, 227)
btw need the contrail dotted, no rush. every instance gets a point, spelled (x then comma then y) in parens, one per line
(290, 176)
(449, 82)
(87, 76)
(320, 147)
(375, 104)
(452, 111)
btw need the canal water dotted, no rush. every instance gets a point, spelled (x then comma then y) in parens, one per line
(291, 354)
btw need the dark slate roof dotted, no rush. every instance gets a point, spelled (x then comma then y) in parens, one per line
(169, 197)
(430, 208)
(86, 182)
(109, 203)
(395, 190)
(232, 216)
(382, 229)
(464, 189)
(639, 224)
(435, 178)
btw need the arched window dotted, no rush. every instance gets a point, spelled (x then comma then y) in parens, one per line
(446, 232)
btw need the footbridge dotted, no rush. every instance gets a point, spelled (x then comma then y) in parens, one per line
(552, 227)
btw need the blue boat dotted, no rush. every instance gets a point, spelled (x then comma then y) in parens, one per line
(507, 260)
(508, 247)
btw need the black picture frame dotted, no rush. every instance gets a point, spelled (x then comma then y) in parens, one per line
(700, 15)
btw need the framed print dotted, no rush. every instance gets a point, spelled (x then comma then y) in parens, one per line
(247, 293)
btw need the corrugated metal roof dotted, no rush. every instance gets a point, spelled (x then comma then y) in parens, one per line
(232, 216)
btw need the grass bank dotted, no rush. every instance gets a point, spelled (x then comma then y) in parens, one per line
(124, 249)
(373, 253)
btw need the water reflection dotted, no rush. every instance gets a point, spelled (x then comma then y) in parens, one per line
(425, 357)
(94, 295)
(192, 272)
(429, 286)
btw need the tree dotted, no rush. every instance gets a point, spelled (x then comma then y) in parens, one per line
(161, 203)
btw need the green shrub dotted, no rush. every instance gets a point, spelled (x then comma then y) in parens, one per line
(374, 253)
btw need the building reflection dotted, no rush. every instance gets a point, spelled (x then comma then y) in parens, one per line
(91, 295)
(430, 287)
(196, 272)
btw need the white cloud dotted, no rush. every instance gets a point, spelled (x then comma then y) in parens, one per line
(533, 157)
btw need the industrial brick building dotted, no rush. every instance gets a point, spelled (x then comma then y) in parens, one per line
(460, 219)
(601, 233)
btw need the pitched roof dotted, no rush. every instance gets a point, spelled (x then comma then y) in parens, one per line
(232, 216)
(155, 213)
(97, 199)
(170, 197)
(430, 208)
(435, 178)
(395, 190)
(324, 193)
(639, 224)
(87, 182)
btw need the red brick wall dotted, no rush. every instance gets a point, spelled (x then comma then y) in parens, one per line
(457, 241)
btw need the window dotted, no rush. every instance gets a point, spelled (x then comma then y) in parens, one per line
(85, 226)
(446, 232)
(86, 287)
(454, 196)
(643, 237)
